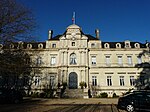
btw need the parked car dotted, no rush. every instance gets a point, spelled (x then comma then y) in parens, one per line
(137, 100)
(10, 96)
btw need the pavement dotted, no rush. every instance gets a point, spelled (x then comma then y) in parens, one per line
(63, 105)
(75, 101)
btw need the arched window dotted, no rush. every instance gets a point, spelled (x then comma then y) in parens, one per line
(118, 45)
(137, 45)
(73, 59)
(29, 46)
(92, 45)
(106, 45)
(40, 46)
(11, 46)
(1, 46)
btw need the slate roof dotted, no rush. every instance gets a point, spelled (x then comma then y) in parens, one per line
(56, 37)
(34, 45)
(113, 44)
(90, 37)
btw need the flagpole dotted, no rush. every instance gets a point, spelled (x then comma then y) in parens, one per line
(73, 18)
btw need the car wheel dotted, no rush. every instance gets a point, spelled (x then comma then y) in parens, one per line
(130, 108)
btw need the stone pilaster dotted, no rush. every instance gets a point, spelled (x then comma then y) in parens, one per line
(64, 58)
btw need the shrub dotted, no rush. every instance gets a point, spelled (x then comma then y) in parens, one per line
(115, 96)
(103, 95)
(83, 84)
(64, 84)
(42, 95)
(48, 93)
(35, 95)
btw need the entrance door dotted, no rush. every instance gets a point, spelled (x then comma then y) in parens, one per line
(73, 80)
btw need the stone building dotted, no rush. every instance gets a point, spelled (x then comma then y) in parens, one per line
(75, 57)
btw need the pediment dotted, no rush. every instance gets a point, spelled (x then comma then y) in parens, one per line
(62, 38)
(84, 37)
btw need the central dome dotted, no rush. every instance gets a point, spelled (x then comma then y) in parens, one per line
(73, 26)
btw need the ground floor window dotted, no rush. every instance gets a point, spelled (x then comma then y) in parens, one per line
(37, 80)
(109, 81)
(52, 81)
(121, 80)
(132, 80)
(94, 80)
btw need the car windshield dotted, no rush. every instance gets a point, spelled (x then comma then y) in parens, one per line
(128, 95)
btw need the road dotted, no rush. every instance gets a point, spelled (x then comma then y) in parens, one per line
(53, 105)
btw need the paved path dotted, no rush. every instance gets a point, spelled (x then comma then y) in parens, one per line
(63, 105)
(80, 101)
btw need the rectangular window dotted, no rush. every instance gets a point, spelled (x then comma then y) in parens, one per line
(120, 60)
(37, 80)
(94, 80)
(127, 45)
(129, 60)
(139, 59)
(121, 80)
(53, 45)
(39, 61)
(52, 81)
(93, 60)
(109, 81)
(107, 60)
(73, 43)
(132, 80)
(53, 60)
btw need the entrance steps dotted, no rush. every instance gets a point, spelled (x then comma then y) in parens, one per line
(73, 93)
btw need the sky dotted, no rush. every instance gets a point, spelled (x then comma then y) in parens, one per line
(117, 20)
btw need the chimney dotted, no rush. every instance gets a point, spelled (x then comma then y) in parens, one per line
(97, 33)
(50, 33)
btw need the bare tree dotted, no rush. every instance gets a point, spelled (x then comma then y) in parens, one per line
(14, 66)
(16, 24)
(16, 21)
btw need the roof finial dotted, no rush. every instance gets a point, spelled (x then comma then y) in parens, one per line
(73, 18)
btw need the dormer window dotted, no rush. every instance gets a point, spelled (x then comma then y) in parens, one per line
(11, 46)
(137, 45)
(73, 43)
(92, 45)
(118, 45)
(127, 44)
(106, 45)
(148, 45)
(20, 45)
(29, 46)
(40, 46)
(1, 46)
(53, 45)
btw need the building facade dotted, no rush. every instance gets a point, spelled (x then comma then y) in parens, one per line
(75, 57)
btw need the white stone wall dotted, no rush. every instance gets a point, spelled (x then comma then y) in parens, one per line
(84, 68)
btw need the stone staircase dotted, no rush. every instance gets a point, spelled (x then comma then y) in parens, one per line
(73, 93)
